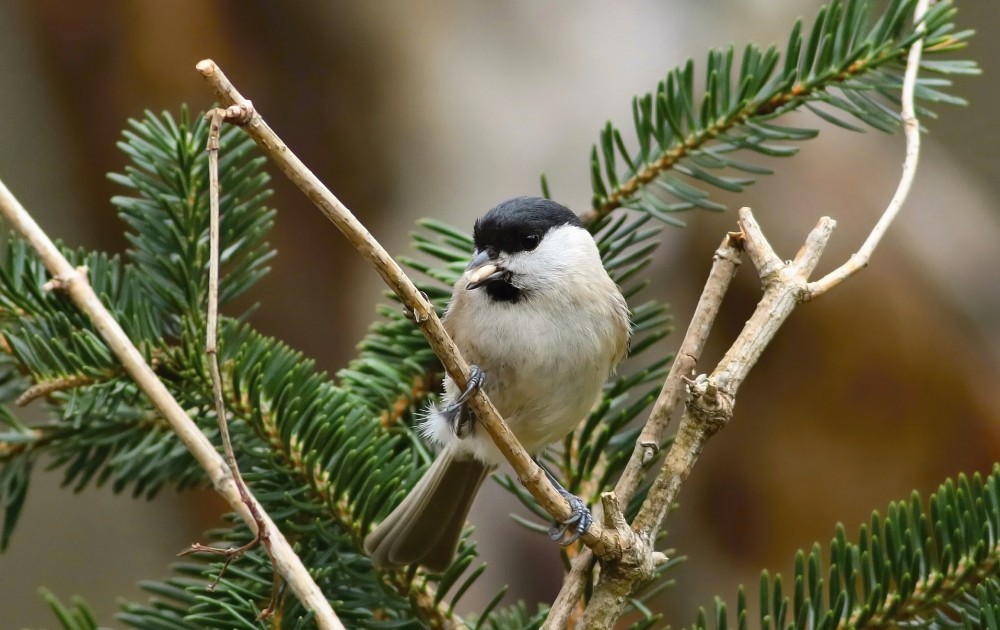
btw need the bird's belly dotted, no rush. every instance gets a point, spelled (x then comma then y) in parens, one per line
(542, 405)
(543, 378)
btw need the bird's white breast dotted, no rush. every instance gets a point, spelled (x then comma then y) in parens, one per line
(545, 357)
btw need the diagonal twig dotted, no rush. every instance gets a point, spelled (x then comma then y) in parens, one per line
(605, 542)
(725, 263)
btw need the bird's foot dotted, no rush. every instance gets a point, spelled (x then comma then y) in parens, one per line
(476, 379)
(568, 531)
(458, 413)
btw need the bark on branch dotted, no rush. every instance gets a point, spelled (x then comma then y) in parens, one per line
(711, 399)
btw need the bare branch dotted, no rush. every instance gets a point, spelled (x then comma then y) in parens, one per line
(605, 543)
(262, 535)
(725, 263)
(711, 400)
(74, 283)
(911, 127)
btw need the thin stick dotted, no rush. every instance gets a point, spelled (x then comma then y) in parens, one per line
(726, 261)
(74, 283)
(605, 542)
(262, 535)
(911, 127)
(716, 394)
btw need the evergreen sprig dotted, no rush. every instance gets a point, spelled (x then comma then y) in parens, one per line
(104, 429)
(916, 566)
(981, 610)
(76, 616)
(168, 209)
(295, 430)
(849, 63)
(325, 458)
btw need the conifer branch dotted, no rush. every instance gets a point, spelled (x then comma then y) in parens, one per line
(73, 281)
(915, 567)
(297, 456)
(606, 543)
(848, 62)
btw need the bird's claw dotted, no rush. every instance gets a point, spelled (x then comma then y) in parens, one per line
(579, 519)
(576, 525)
(457, 412)
(476, 379)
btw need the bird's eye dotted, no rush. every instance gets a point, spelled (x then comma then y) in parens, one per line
(530, 242)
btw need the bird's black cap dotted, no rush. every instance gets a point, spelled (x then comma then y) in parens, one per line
(519, 224)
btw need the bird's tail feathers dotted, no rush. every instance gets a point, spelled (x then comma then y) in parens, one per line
(426, 526)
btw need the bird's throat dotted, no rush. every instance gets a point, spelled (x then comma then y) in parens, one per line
(503, 291)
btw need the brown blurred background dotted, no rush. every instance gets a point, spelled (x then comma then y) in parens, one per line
(445, 108)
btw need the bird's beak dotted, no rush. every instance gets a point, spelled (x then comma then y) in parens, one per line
(482, 270)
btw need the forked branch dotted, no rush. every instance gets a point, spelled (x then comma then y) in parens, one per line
(711, 398)
(725, 263)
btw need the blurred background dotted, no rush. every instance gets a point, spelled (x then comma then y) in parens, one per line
(443, 109)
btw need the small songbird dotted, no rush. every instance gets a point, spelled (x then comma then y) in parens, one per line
(544, 325)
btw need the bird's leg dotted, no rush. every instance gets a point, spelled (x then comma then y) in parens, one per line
(579, 519)
(458, 413)
(460, 419)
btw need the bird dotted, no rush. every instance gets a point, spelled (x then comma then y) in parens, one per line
(543, 326)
